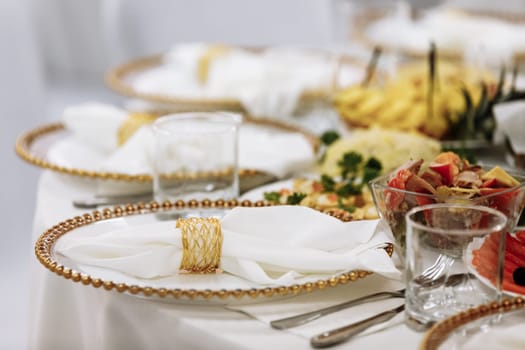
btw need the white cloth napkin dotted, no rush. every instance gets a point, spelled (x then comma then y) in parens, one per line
(95, 124)
(277, 152)
(510, 122)
(453, 32)
(269, 245)
(268, 84)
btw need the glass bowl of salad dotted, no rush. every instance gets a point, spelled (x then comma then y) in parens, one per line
(447, 179)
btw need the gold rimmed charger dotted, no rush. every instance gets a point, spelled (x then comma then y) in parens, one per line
(34, 145)
(44, 250)
(118, 80)
(440, 332)
(368, 17)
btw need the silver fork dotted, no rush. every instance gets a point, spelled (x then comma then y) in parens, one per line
(436, 273)
(429, 277)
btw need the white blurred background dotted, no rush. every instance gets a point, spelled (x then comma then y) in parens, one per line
(54, 53)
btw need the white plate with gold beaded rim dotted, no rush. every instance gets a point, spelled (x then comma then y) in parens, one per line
(219, 288)
(54, 147)
(123, 77)
(474, 328)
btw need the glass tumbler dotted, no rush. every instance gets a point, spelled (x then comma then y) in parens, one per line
(196, 156)
(441, 279)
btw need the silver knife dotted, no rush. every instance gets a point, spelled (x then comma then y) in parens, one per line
(342, 334)
(94, 202)
(301, 319)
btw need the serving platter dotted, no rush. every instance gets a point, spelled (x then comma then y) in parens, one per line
(215, 288)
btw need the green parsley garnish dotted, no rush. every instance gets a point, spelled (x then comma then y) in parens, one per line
(349, 188)
(295, 198)
(329, 137)
(371, 170)
(350, 163)
(328, 183)
(274, 197)
(356, 173)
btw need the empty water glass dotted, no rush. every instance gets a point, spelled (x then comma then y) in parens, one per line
(443, 241)
(196, 156)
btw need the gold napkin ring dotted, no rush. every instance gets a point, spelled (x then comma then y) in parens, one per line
(201, 244)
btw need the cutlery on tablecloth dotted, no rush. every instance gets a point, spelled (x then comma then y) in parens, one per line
(339, 335)
(336, 336)
(246, 184)
(98, 201)
(297, 320)
(301, 319)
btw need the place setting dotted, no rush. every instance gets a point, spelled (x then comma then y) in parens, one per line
(197, 243)
(308, 194)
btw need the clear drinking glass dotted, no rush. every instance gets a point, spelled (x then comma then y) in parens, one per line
(442, 240)
(196, 156)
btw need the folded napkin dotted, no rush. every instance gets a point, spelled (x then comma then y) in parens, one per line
(268, 83)
(274, 151)
(453, 32)
(95, 124)
(269, 245)
(510, 122)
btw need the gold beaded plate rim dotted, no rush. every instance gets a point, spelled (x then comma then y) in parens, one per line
(45, 255)
(368, 17)
(24, 149)
(116, 80)
(439, 333)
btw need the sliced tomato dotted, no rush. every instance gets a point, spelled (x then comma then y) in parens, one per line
(520, 235)
(394, 198)
(446, 164)
(502, 202)
(490, 183)
(447, 171)
(317, 187)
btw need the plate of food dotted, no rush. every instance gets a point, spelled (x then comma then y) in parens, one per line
(213, 252)
(261, 81)
(403, 100)
(108, 143)
(339, 183)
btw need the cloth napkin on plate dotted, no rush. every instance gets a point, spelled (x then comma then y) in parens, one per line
(268, 83)
(268, 245)
(95, 124)
(279, 153)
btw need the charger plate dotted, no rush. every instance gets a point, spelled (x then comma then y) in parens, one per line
(215, 288)
(459, 330)
(34, 147)
(119, 80)
(368, 17)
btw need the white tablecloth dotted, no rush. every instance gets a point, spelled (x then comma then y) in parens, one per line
(67, 315)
